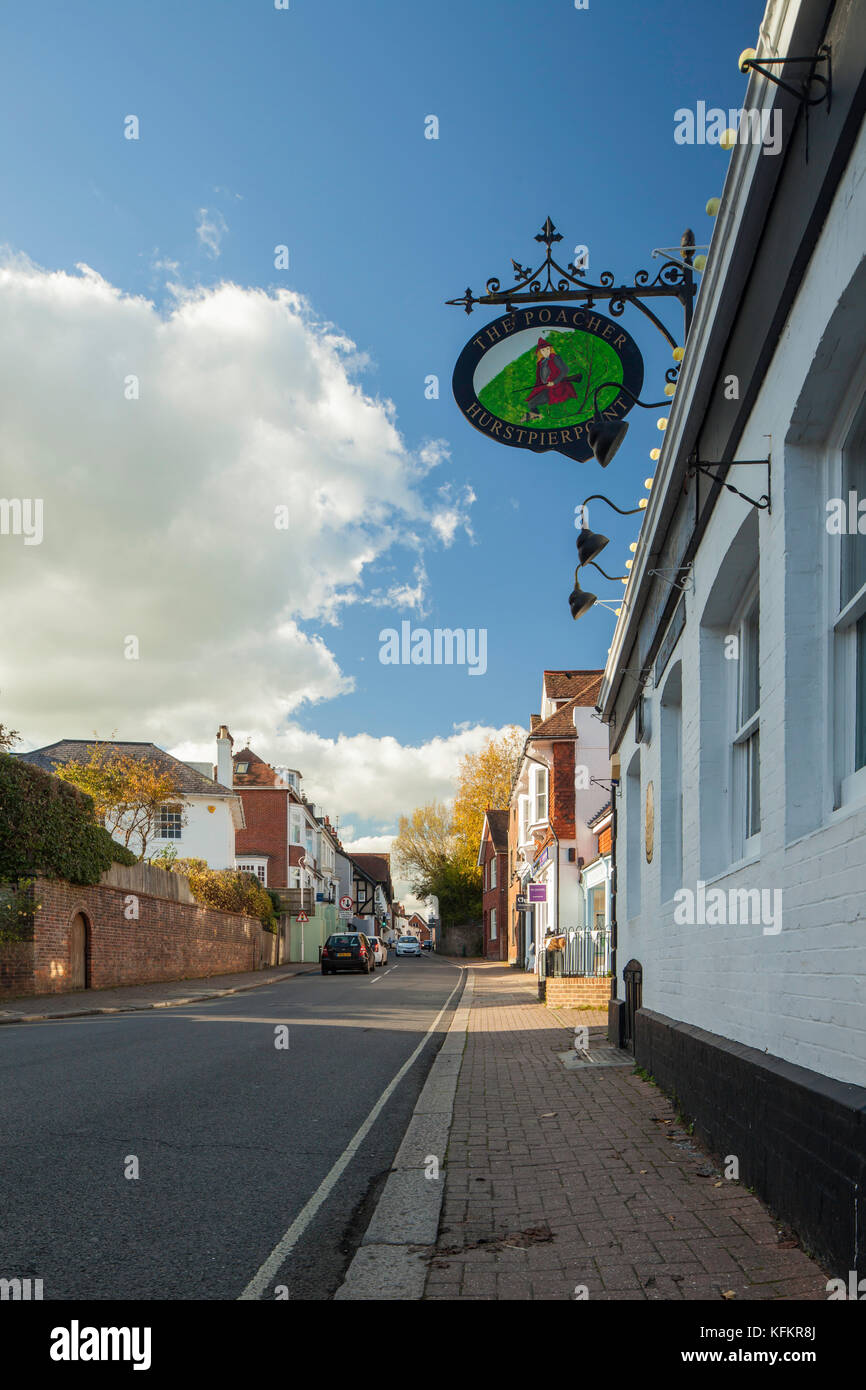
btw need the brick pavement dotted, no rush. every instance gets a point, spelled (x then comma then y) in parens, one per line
(556, 1179)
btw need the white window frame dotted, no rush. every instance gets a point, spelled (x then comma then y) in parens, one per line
(849, 780)
(258, 867)
(634, 822)
(745, 732)
(174, 811)
(493, 924)
(493, 872)
(539, 804)
(523, 808)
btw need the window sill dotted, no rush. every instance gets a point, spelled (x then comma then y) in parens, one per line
(853, 789)
(735, 868)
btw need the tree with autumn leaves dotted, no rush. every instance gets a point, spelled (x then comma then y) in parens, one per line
(436, 848)
(128, 792)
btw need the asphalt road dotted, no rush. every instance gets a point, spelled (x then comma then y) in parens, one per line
(232, 1135)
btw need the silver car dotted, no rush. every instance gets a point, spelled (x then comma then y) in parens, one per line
(408, 946)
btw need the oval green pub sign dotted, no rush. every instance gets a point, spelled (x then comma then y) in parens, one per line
(529, 379)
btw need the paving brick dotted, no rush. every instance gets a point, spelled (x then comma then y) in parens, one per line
(629, 1213)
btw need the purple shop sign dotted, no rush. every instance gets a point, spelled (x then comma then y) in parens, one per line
(538, 892)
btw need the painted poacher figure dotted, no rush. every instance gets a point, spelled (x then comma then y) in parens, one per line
(552, 381)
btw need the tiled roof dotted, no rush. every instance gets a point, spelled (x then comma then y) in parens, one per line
(497, 824)
(258, 774)
(599, 815)
(70, 750)
(378, 866)
(534, 721)
(582, 686)
(560, 724)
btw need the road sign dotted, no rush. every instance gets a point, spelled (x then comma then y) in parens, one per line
(302, 917)
(346, 903)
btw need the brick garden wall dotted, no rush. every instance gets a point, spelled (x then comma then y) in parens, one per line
(170, 940)
(577, 991)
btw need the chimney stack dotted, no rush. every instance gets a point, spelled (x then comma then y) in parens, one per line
(225, 766)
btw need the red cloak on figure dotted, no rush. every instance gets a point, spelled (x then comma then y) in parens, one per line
(551, 375)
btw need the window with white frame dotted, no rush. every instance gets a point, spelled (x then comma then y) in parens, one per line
(493, 872)
(259, 869)
(169, 822)
(538, 809)
(746, 750)
(294, 878)
(633, 827)
(850, 617)
(493, 924)
(671, 819)
(523, 805)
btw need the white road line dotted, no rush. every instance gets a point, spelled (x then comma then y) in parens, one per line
(257, 1285)
(381, 977)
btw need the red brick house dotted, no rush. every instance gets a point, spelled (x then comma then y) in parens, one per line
(493, 863)
(558, 787)
(418, 927)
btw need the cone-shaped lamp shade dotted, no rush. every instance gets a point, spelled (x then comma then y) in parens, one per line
(579, 601)
(604, 438)
(590, 544)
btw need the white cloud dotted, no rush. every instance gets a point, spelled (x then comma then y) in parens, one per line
(356, 776)
(210, 230)
(159, 521)
(453, 513)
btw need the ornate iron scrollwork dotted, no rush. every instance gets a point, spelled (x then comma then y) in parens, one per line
(552, 282)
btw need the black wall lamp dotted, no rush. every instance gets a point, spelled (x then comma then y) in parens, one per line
(580, 601)
(605, 436)
(592, 543)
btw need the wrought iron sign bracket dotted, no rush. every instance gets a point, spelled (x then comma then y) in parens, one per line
(608, 783)
(553, 283)
(697, 466)
(801, 93)
(683, 580)
(760, 65)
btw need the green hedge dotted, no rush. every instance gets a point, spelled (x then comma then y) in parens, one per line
(48, 827)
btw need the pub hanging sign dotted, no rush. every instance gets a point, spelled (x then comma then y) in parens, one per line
(529, 379)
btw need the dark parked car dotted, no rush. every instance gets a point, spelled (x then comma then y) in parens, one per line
(348, 951)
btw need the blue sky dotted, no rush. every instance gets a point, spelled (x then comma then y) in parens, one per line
(305, 127)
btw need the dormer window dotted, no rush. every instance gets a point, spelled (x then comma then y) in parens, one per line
(242, 767)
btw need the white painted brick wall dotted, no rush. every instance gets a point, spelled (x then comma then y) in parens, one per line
(800, 995)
